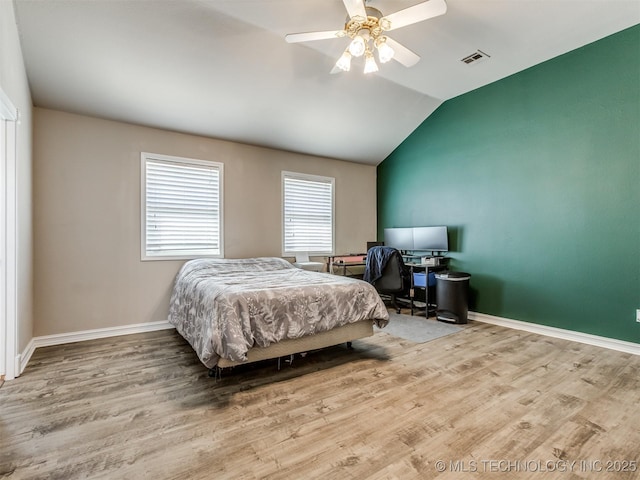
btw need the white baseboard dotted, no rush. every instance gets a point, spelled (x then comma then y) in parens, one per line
(24, 357)
(604, 342)
(62, 338)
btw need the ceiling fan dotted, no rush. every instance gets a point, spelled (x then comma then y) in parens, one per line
(367, 27)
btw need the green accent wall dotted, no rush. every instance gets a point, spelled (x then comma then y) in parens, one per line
(537, 177)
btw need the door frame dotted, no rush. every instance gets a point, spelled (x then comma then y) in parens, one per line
(9, 359)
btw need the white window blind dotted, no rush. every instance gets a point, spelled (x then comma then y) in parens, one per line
(182, 207)
(307, 213)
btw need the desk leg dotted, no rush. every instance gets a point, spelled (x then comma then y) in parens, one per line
(411, 289)
(426, 293)
(411, 292)
(426, 297)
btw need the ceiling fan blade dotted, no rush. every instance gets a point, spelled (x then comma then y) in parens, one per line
(402, 54)
(417, 13)
(355, 8)
(311, 36)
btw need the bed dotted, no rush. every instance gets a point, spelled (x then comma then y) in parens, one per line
(235, 311)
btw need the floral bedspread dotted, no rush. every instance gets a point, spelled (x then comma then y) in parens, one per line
(223, 307)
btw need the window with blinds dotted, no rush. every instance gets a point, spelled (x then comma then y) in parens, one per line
(181, 207)
(307, 213)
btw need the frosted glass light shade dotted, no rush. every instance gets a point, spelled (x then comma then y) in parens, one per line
(385, 52)
(370, 65)
(344, 62)
(357, 46)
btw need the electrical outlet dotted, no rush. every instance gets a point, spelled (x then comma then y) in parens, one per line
(638, 315)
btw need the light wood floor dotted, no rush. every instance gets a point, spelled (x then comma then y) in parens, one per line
(498, 401)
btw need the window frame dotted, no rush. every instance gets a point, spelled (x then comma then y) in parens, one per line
(310, 178)
(144, 157)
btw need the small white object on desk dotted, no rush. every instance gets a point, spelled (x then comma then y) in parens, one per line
(433, 261)
(303, 262)
(429, 261)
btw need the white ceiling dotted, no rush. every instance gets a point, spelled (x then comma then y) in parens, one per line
(221, 68)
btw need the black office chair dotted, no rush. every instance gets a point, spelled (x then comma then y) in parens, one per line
(386, 271)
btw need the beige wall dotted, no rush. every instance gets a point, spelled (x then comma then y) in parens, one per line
(87, 215)
(13, 81)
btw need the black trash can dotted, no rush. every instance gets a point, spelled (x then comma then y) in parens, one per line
(452, 296)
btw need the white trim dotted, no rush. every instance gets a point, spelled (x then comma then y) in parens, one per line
(3, 224)
(11, 249)
(23, 359)
(84, 335)
(7, 110)
(9, 363)
(604, 342)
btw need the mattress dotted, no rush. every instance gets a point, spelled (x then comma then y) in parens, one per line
(225, 307)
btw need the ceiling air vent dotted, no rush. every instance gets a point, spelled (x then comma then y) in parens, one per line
(475, 57)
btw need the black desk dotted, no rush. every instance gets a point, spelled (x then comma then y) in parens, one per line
(430, 305)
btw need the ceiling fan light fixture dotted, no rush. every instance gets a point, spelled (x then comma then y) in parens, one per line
(366, 26)
(385, 52)
(344, 62)
(370, 65)
(357, 46)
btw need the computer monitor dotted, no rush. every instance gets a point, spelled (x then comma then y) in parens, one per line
(399, 238)
(432, 239)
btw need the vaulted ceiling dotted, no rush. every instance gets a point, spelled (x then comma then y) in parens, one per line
(221, 68)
